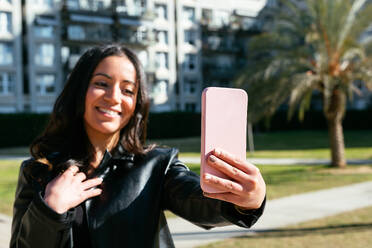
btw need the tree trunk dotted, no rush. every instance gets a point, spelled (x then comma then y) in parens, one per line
(336, 139)
(334, 113)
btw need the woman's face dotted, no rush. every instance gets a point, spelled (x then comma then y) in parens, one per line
(111, 97)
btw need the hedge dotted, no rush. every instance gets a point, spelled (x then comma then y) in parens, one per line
(20, 129)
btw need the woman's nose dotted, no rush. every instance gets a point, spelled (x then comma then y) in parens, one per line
(113, 95)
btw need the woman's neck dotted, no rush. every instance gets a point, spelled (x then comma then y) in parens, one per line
(100, 144)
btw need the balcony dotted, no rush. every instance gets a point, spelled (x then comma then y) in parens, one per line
(88, 5)
(137, 37)
(219, 44)
(135, 11)
(91, 33)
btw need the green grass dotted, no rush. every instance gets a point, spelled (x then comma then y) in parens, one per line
(8, 180)
(283, 144)
(289, 144)
(281, 180)
(347, 230)
(285, 180)
(290, 180)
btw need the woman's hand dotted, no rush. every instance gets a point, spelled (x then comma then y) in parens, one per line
(245, 188)
(70, 189)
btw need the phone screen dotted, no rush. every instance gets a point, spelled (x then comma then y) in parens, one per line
(224, 126)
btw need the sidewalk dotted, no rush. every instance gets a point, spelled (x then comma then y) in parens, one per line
(5, 224)
(279, 213)
(284, 161)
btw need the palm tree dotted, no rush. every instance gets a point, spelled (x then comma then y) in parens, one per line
(312, 46)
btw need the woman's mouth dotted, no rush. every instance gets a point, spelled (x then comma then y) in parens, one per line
(109, 111)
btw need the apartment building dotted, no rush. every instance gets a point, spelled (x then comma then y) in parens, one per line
(184, 45)
(11, 80)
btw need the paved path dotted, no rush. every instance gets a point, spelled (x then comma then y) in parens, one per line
(284, 161)
(5, 223)
(281, 212)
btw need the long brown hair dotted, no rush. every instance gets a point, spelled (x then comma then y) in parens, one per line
(65, 132)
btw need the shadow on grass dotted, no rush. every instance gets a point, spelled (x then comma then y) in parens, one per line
(295, 232)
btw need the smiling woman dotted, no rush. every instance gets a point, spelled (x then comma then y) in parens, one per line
(92, 181)
(110, 100)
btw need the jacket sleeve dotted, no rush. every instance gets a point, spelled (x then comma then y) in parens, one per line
(35, 224)
(184, 197)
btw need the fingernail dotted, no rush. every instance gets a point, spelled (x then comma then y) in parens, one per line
(217, 151)
(207, 177)
(212, 158)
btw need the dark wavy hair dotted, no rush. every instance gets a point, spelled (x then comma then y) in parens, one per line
(65, 132)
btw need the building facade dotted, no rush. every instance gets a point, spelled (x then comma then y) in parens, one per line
(184, 45)
(11, 77)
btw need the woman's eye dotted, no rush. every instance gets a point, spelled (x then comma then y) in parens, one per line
(128, 91)
(100, 84)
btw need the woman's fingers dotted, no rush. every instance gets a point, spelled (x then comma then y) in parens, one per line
(242, 165)
(80, 176)
(91, 183)
(72, 170)
(223, 184)
(227, 169)
(92, 193)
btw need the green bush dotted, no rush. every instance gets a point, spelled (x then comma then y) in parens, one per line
(20, 129)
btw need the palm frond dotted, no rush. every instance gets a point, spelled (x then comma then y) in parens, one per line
(351, 18)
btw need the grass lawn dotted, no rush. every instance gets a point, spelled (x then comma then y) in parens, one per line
(289, 180)
(295, 179)
(281, 180)
(8, 180)
(347, 230)
(289, 144)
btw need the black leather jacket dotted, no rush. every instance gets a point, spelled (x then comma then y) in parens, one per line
(129, 212)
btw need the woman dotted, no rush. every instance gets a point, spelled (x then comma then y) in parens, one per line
(91, 182)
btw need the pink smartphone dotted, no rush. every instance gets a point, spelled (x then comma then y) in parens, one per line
(224, 126)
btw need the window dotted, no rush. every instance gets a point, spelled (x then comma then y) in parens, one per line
(190, 107)
(45, 84)
(189, 86)
(161, 60)
(207, 16)
(190, 37)
(135, 7)
(44, 55)
(72, 4)
(90, 5)
(6, 53)
(221, 18)
(5, 23)
(44, 31)
(162, 37)
(161, 11)
(48, 3)
(6, 83)
(190, 62)
(189, 14)
(75, 32)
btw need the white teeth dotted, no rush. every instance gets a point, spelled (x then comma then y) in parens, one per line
(107, 111)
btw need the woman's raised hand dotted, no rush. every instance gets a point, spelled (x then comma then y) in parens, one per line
(245, 188)
(69, 189)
